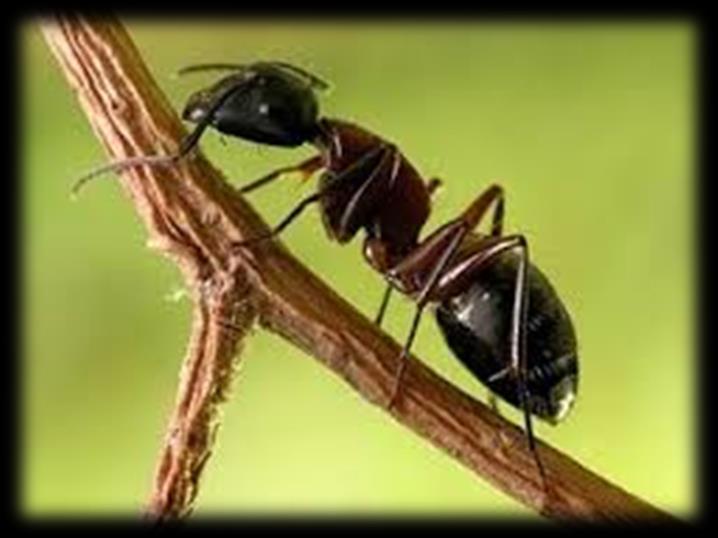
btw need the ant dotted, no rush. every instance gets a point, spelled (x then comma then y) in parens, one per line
(497, 312)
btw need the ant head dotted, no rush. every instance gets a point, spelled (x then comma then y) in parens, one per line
(267, 102)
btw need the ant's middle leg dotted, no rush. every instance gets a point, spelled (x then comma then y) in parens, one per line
(384, 304)
(424, 256)
(428, 262)
(431, 186)
(440, 266)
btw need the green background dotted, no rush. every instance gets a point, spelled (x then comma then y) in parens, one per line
(589, 127)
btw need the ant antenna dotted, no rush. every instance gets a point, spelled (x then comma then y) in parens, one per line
(188, 143)
(118, 166)
(314, 81)
(196, 68)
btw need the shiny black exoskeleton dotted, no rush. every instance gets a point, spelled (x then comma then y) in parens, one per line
(266, 102)
(477, 327)
(498, 313)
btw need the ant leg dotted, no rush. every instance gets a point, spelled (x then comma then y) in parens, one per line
(493, 195)
(423, 256)
(457, 278)
(372, 192)
(369, 194)
(307, 168)
(286, 221)
(336, 182)
(497, 221)
(384, 304)
(432, 185)
(442, 244)
(421, 302)
(518, 350)
(403, 356)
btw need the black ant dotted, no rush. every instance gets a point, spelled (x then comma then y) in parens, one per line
(497, 312)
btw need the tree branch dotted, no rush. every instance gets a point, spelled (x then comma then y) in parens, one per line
(193, 215)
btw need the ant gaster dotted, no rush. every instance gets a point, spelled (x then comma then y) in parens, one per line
(498, 313)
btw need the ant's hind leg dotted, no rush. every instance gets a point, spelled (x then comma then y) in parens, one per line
(519, 351)
(457, 280)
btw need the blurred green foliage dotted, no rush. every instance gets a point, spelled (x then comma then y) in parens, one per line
(590, 128)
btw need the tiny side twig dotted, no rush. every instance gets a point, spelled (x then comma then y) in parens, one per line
(193, 215)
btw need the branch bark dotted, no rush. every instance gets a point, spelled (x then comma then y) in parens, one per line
(193, 215)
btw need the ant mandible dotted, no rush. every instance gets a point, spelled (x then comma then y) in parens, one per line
(498, 313)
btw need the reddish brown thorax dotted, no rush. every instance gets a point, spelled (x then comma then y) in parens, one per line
(401, 208)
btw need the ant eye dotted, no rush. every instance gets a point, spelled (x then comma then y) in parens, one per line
(264, 109)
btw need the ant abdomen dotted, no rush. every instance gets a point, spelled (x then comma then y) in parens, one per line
(476, 325)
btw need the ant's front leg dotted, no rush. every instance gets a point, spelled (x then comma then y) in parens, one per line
(364, 167)
(384, 304)
(306, 168)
